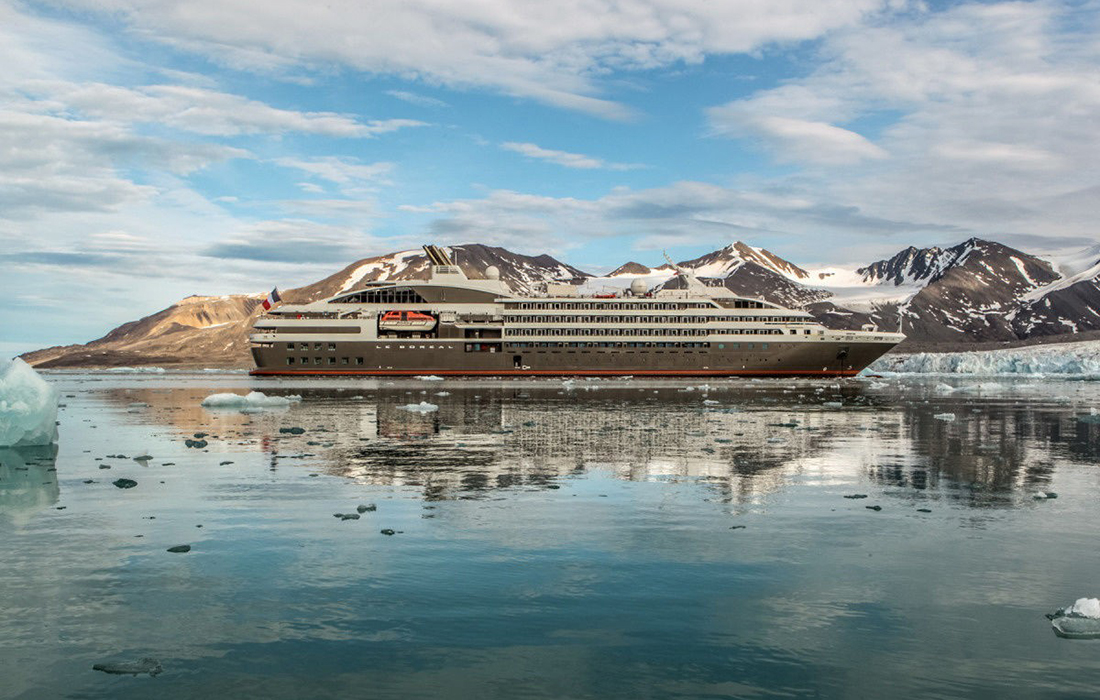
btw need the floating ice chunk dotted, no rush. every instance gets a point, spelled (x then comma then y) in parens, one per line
(254, 401)
(136, 370)
(422, 407)
(429, 378)
(28, 407)
(1079, 621)
(942, 388)
(1076, 627)
(944, 416)
(1084, 607)
(442, 393)
(833, 404)
(710, 402)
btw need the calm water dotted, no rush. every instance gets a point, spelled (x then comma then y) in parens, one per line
(608, 539)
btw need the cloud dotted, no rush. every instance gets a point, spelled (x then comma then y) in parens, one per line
(798, 140)
(199, 110)
(523, 49)
(342, 171)
(292, 241)
(980, 116)
(683, 213)
(417, 99)
(568, 160)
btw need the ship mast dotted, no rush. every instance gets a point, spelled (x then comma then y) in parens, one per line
(691, 282)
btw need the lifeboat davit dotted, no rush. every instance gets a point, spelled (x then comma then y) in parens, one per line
(406, 321)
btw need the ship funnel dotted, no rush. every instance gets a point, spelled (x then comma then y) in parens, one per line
(441, 263)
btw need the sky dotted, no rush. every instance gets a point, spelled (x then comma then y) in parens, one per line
(152, 149)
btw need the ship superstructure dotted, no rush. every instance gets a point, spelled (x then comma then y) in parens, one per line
(450, 324)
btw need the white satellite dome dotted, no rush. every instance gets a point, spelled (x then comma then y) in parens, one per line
(639, 287)
(492, 272)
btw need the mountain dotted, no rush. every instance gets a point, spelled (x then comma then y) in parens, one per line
(723, 262)
(975, 291)
(634, 269)
(197, 331)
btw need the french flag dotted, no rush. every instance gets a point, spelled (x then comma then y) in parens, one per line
(272, 299)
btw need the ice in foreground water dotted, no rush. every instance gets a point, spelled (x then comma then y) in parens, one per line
(28, 407)
(254, 401)
(422, 407)
(1078, 621)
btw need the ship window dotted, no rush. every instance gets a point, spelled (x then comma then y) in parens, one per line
(391, 295)
(332, 346)
(303, 346)
(290, 346)
(332, 360)
(763, 346)
(343, 360)
(290, 360)
(316, 360)
(316, 346)
(358, 360)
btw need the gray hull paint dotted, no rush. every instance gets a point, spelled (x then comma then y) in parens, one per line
(432, 356)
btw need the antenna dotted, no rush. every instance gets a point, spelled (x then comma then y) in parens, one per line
(690, 280)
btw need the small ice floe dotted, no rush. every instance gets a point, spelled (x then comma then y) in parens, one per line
(944, 416)
(1044, 495)
(422, 407)
(442, 393)
(1078, 621)
(833, 404)
(254, 401)
(429, 378)
(28, 407)
(710, 402)
(147, 665)
(942, 388)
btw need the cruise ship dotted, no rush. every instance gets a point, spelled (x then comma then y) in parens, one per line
(450, 324)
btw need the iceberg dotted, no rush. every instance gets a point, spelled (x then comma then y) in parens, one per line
(254, 401)
(28, 407)
(1080, 359)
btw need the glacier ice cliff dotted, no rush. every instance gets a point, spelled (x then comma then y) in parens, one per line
(1071, 359)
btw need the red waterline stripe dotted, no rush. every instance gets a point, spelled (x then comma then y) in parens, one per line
(555, 373)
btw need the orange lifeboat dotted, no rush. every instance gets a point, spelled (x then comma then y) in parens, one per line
(406, 321)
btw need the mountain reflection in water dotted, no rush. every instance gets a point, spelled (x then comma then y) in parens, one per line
(612, 539)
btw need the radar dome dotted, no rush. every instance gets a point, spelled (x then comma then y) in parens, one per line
(639, 287)
(492, 272)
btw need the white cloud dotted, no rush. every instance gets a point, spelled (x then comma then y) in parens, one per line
(520, 47)
(197, 110)
(342, 171)
(564, 158)
(798, 140)
(982, 116)
(416, 98)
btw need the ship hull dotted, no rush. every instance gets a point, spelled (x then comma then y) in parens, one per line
(427, 357)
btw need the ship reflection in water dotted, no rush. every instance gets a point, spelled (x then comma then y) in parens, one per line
(581, 539)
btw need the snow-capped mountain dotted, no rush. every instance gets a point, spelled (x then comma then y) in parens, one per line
(974, 291)
(723, 262)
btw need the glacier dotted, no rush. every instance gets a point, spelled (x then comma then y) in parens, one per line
(1081, 359)
(28, 407)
